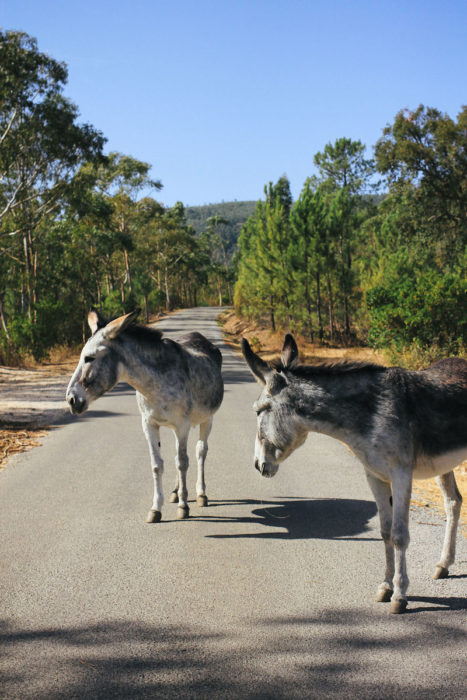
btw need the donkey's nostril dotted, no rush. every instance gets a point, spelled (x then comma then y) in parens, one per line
(71, 400)
(256, 464)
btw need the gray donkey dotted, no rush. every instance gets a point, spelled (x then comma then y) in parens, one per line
(178, 385)
(400, 424)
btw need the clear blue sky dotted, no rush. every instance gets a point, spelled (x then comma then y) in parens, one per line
(223, 96)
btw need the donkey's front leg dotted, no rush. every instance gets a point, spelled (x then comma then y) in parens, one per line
(452, 506)
(157, 464)
(401, 492)
(383, 497)
(181, 463)
(201, 452)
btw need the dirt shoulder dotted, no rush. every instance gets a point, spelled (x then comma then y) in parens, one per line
(31, 400)
(34, 397)
(268, 344)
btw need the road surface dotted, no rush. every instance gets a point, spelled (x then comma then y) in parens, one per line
(267, 593)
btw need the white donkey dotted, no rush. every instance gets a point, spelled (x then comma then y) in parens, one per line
(400, 424)
(178, 385)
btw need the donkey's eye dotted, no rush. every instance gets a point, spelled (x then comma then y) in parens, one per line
(89, 358)
(262, 409)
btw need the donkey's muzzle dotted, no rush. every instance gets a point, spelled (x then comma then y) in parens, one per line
(76, 403)
(265, 469)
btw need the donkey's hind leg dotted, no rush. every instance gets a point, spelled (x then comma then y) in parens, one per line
(452, 506)
(382, 493)
(181, 463)
(152, 435)
(174, 494)
(401, 491)
(201, 452)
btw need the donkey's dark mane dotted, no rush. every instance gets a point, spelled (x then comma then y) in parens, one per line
(143, 334)
(327, 368)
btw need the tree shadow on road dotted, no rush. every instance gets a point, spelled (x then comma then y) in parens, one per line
(322, 655)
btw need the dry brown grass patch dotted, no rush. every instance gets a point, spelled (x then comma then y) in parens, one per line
(15, 440)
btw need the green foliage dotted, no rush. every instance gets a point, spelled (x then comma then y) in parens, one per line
(297, 260)
(340, 264)
(74, 230)
(344, 265)
(422, 306)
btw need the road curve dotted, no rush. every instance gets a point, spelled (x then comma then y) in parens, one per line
(267, 593)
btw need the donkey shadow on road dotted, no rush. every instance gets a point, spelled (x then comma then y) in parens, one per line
(300, 518)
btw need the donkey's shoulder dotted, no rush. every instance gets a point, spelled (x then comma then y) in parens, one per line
(196, 344)
(452, 370)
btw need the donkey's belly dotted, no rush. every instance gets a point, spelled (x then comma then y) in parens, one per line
(427, 467)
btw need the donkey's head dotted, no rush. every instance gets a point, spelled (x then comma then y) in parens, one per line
(280, 429)
(97, 370)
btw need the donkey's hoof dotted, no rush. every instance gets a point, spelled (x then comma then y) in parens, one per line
(383, 595)
(173, 497)
(398, 606)
(182, 512)
(202, 501)
(440, 572)
(154, 516)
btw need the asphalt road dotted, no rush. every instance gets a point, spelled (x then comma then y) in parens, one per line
(267, 593)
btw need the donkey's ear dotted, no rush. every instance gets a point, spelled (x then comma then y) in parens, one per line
(259, 367)
(289, 352)
(115, 327)
(95, 320)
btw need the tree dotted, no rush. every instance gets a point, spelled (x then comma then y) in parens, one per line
(42, 147)
(342, 165)
(309, 221)
(423, 155)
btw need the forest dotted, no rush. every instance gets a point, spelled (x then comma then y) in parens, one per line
(373, 250)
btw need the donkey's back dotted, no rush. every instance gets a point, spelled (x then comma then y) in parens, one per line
(199, 346)
(204, 362)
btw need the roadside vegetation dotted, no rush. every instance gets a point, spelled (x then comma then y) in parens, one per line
(371, 254)
(340, 266)
(81, 228)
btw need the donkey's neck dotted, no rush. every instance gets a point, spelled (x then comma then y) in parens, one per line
(137, 365)
(342, 406)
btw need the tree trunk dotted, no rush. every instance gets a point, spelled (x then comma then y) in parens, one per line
(2, 318)
(331, 309)
(308, 305)
(273, 320)
(27, 263)
(318, 306)
(127, 270)
(167, 293)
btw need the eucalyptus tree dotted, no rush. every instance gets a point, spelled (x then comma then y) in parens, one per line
(42, 146)
(220, 268)
(122, 179)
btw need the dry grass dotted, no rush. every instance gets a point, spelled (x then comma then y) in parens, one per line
(15, 440)
(268, 345)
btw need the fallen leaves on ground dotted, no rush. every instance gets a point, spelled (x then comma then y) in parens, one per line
(14, 440)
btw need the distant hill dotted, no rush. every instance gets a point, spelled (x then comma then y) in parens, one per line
(236, 213)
